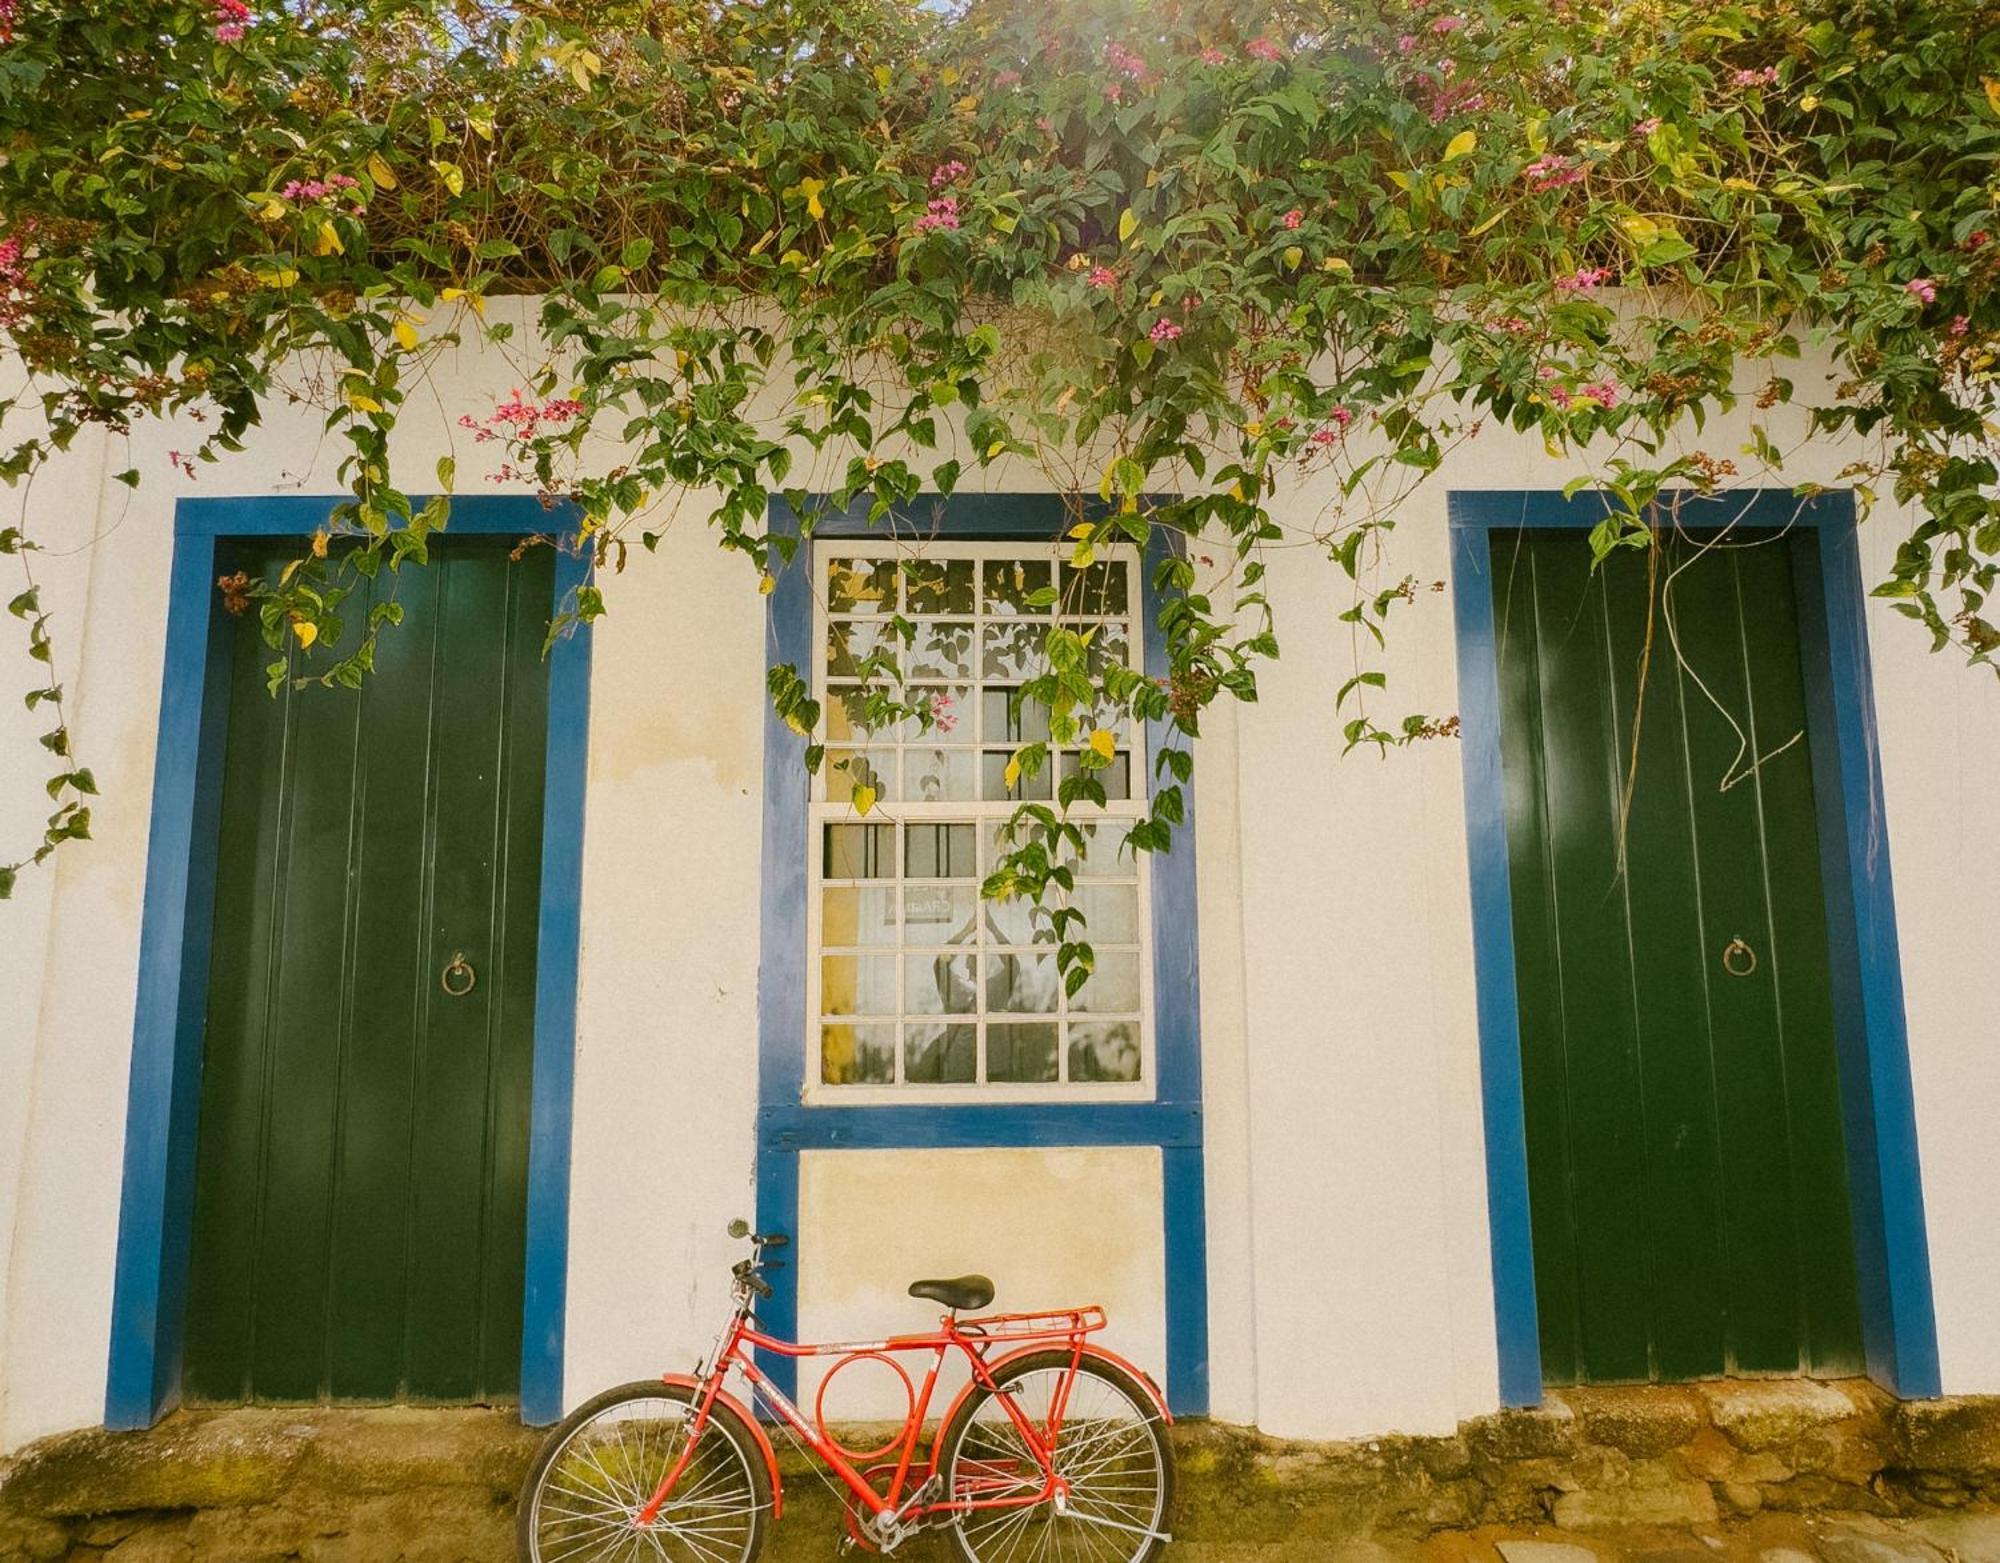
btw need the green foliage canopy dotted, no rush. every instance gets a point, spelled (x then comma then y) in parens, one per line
(1153, 247)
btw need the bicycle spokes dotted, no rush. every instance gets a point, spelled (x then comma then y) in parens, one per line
(600, 1483)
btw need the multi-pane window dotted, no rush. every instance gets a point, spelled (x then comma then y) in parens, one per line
(916, 982)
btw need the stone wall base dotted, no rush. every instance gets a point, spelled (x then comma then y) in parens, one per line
(437, 1486)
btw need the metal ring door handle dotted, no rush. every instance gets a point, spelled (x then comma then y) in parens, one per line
(458, 978)
(1738, 959)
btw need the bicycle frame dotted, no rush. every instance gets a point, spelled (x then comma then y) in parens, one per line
(973, 1338)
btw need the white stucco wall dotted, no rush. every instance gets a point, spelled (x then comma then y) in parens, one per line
(1349, 1283)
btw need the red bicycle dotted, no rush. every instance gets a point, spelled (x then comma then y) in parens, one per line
(1056, 1449)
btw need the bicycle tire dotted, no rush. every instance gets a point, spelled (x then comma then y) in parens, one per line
(746, 1488)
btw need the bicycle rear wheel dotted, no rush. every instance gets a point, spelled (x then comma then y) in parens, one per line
(1111, 1448)
(602, 1463)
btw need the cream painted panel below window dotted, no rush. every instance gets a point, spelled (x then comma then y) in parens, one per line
(1074, 1225)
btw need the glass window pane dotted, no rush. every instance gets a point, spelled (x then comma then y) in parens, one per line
(993, 777)
(857, 1055)
(939, 585)
(1115, 778)
(1095, 589)
(940, 985)
(863, 915)
(847, 769)
(951, 713)
(1104, 1050)
(857, 985)
(940, 914)
(1113, 988)
(1007, 718)
(847, 712)
(1110, 913)
(1109, 644)
(1017, 1053)
(1009, 582)
(940, 852)
(1014, 652)
(1021, 984)
(1017, 920)
(941, 1055)
(862, 644)
(939, 651)
(858, 852)
(861, 585)
(941, 775)
(1105, 853)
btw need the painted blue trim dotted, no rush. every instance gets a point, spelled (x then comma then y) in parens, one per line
(1891, 1245)
(149, 1286)
(545, 1295)
(1171, 1122)
(1515, 1321)
(163, 1097)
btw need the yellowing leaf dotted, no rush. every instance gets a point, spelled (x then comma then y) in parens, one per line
(1460, 144)
(1992, 87)
(1334, 263)
(362, 402)
(811, 188)
(380, 172)
(1399, 179)
(995, 448)
(1128, 224)
(306, 630)
(1486, 223)
(864, 799)
(319, 543)
(1012, 775)
(883, 75)
(1293, 257)
(271, 211)
(278, 277)
(329, 241)
(406, 336)
(290, 570)
(767, 583)
(1102, 742)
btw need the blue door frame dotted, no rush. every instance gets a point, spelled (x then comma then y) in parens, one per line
(785, 1127)
(1892, 1252)
(163, 1101)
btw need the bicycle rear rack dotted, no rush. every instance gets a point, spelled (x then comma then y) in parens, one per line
(1048, 1323)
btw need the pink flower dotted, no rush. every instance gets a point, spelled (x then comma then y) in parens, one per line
(1342, 415)
(10, 10)
(1551, 172)
(1164, 330)
(1406, 43)
(1921, 288)
(946, 173)
(1447, 24)
(1645, 127)
(1513, 325)
(1263, 49)
(1603, 392)
(1213, 56)
(1124, 61)
(1764, 78)
(230, 18)
(1960, 325)
(1585, 279)
(1007, 79)
(1103, 278)
(1976, 241)
(940, 215)
(181, 461)
(520, 419)
(944, 717)
(1294, 217)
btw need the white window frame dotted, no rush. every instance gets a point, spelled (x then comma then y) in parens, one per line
(830, 802)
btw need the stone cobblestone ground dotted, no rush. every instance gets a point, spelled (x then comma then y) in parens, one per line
(1779, 1471)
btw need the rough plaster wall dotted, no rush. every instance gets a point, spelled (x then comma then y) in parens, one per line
(1345, 1174)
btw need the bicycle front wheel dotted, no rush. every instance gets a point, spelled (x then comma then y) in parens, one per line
(598, 1469)
(1110, 1447)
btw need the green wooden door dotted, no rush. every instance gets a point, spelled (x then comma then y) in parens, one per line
(361, 1172)
(1687, 1177)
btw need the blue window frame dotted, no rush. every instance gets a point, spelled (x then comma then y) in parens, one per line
(157, 1209)
(1892, 1252)
(786, 1127)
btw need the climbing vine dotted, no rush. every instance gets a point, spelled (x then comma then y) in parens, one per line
(1166, 252)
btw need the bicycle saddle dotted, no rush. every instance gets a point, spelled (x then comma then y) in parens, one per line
(957, 1291)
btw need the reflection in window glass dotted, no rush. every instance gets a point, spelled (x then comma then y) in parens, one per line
(918, 981)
